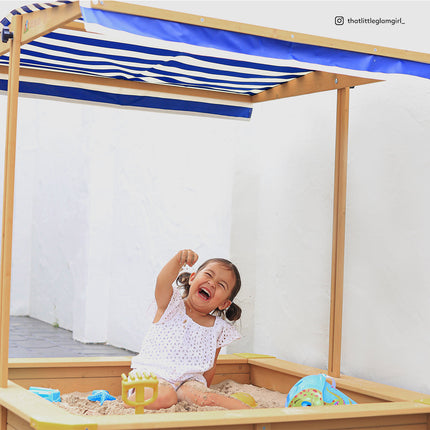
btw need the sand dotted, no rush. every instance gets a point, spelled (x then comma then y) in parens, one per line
(77, 403)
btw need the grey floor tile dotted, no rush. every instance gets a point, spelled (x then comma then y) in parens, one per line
(31, 338)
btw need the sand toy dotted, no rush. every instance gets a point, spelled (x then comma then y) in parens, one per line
(100, 396)
(314, 390)
(139, 381)
(50, 394)
(245, 398)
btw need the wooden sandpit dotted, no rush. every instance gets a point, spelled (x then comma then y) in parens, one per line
(378, 405)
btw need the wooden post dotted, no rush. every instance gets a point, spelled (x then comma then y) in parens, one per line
(338, 232)
(8, 197)
(3, 418)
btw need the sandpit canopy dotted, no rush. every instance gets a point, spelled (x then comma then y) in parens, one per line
(140, 57)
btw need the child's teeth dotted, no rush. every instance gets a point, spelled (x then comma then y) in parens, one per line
(206, 292)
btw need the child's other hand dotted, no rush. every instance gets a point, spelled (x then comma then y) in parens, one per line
(187, 257)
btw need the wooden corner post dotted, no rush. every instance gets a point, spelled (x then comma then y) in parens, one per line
(8, 196)
(339, 208)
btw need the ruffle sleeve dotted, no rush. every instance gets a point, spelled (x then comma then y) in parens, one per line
(174, 306)
(227, 335)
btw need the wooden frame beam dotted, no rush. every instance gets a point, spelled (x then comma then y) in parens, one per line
(74, 25)
(312, 82)
(47, 76)
(44, 21)
(338, 250)
(221, 24)
(8, 197)
(37, 24)
(308, 84)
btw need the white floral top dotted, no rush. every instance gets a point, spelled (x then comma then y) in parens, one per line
(177, 349)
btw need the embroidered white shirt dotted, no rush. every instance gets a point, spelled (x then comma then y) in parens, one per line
(177, 349)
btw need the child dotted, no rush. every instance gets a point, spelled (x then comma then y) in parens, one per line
(185, 338)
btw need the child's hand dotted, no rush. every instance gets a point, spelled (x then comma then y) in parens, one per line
(187, 257)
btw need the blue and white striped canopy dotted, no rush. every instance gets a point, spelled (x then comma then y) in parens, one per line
(137, 50)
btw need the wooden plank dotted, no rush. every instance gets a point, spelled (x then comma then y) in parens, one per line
(85, 374)
(70, 375)
(3, 418)
(44, 21)
(340, 417)
(381, 391)
(385, 423)
(231, 359)
(232, 368)
(69, 385)
(312, 82)
(272, 380)
(8, 198)
(51, 362)
(33, 409)
(30, 407)
(55, 362)
(39, 23)
(257, 30)
(283, 366)
(68, 372)
(5, 47)
(338, 232)
(14, 422)
(164, 425)
(359, 389)
(112, 384)
(241, 378)
(74, 25)
(53, 77)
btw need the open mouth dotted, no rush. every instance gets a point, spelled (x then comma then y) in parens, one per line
(204, 294)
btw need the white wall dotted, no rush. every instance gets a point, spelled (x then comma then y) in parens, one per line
(386, 293)
(104, 197)
(110, 208)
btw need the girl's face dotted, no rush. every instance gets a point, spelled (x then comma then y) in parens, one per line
(211, 287)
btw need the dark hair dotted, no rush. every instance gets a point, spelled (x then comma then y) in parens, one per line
(233, 312)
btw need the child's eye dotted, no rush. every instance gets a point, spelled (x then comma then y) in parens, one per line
(222, 285)
(209, 274)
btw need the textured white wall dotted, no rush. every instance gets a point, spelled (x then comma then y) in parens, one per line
(100, 207)
(387, 295)
(109, 206)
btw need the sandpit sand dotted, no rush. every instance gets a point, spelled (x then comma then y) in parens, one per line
(77, 403)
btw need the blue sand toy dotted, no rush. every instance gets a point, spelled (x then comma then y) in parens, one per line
(314, 390)
(47, 393)
(100, 396)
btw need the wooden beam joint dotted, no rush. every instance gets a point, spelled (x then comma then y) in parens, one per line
(312, 82)
(39, 23)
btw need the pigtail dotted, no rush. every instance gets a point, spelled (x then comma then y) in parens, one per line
(233, 313)
(183, 281)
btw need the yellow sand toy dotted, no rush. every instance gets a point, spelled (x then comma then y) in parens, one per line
(245, 398)
(139, 381)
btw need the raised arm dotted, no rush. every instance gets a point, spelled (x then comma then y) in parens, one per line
(168, 275)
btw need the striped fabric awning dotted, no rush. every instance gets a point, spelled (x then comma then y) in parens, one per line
(136, 50)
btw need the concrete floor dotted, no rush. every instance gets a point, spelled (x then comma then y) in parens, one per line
(31, 338)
